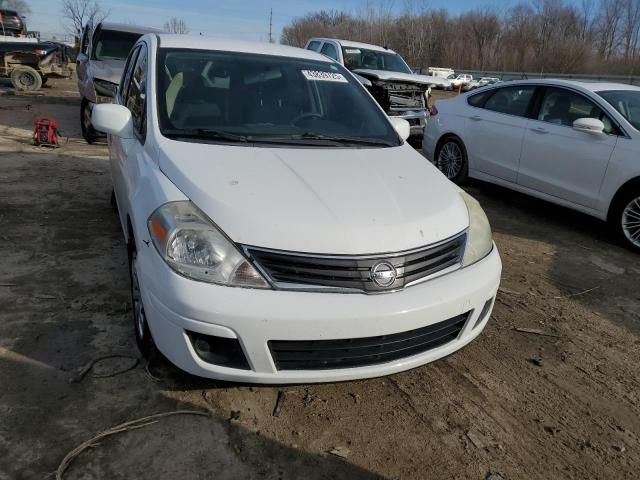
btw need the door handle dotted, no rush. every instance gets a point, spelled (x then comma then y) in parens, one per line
(475, 118)
(540, 130)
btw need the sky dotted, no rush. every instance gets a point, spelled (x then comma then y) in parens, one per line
(245, 19)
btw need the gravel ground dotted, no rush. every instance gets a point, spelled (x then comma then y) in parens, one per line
(559, 400)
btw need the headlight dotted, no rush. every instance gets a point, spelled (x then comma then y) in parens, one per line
(194, 247)
(479, 238)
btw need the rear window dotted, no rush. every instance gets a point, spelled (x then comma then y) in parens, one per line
(511, 100)
(113, 45)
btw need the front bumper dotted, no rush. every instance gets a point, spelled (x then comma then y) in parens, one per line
(175, 305)
(417, 121)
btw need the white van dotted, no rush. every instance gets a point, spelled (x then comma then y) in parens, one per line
(441, 72)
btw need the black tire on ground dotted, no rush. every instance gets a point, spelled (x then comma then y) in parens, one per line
(451, 159)
(144, 339)
(624, 217)
(113, 201)
(26, 79)
(88, 132)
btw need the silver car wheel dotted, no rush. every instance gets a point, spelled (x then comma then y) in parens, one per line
(631, 221)
(450, 160)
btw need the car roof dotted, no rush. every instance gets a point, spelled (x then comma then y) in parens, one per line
(123, 27)
(350, 44)
(198, 42)
(593, 86)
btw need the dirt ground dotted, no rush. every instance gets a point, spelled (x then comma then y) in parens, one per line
(511, 405)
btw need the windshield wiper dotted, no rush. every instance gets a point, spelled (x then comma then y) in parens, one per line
(335, 139)
(209, 134)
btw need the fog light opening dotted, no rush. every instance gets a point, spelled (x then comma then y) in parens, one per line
(485, 311)
(225, 352)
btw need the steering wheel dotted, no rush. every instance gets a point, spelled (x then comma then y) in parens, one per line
(304, 115)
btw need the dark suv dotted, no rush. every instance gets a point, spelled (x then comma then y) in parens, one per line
(12, 24)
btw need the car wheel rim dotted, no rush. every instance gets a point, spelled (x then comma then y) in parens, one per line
(138, 307)
(26, 80)
(631, 221)
(450, 160)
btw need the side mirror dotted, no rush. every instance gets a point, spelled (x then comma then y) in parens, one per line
(112, 119)
(401, 126)
(589, 125)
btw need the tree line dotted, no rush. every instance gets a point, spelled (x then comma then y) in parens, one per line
(589, 36)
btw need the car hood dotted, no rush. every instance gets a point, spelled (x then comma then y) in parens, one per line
(318, 200)
(401, 77)
(109, 70)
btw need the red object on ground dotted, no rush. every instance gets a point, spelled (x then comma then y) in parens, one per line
(46, 133)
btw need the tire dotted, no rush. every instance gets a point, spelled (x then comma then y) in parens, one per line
(114, 201)
(144, 339)
(26, 79)
(624, 218)
(451, 160)
(88, 132)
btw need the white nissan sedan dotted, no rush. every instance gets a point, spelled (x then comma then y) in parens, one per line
(573, 143)
(280, 229)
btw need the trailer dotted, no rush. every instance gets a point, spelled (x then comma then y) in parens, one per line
(30, 64)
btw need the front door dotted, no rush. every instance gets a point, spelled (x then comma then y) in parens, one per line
(563, 162)
(82, 63)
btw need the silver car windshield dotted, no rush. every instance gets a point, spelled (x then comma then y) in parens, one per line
(224, 97)
(113, 44)
(363, 59)
(626, 102)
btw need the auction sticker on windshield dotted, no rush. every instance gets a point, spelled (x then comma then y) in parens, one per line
(320, 76)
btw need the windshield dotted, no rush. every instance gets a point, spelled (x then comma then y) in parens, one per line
(247, 98)
(113, 45)
(626, 102)
(360, 58)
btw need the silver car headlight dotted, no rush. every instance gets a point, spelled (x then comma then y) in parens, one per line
(194, 247)
(479, 238)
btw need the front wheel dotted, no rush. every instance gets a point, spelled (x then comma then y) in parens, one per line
(451, 159)
(145, 342)
(88, 132)
(625, 219)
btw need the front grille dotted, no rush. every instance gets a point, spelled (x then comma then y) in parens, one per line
(360, 352)
(406, 97)
(288, 270)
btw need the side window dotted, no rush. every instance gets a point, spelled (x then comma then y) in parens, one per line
(126, 75)
(478, 99)
(329, 50)
(563, 107)
(315, 46)
(136, 92)
(511, 100)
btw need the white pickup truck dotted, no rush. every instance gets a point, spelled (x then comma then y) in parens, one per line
(386, 75)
